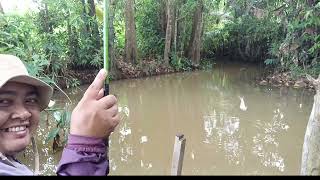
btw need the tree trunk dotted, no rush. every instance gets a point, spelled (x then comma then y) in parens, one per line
(195, 41)
(310, 164)
(47, 24)
(47, 27)
(94, 26)
(85, 18)
(180, 28)
(167, 47)
(163, 17)
(175, 28)
(130, 33)
(114, 71)
(72, 42)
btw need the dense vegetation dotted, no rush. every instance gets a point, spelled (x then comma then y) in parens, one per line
(63, 37)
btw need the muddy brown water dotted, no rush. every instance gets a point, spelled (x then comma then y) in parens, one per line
(261, 134)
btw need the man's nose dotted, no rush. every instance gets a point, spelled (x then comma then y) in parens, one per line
(21, 113)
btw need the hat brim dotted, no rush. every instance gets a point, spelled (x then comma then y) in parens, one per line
(44, 90)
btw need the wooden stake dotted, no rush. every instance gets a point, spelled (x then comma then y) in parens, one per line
(178, 154)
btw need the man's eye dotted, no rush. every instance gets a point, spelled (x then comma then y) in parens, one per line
(32, 101)
(4, 102)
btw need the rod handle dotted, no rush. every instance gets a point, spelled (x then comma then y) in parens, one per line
(106, 89)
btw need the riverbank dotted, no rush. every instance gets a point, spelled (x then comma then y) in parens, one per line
(153, 68)
(125, 70)
(285, 79)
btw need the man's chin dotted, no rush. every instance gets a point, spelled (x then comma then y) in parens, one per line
(16, 151)
(19, 146)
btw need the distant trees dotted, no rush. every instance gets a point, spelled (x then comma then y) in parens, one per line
(176, 34)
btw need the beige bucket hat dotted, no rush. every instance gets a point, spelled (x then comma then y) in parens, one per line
(12, 69)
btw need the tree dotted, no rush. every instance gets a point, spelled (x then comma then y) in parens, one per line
(94, 25)
(181, 22)
(167, 48)
(130, 33)
(112, 57)
(195, 41)
(163, 16)
(86, 28)
(72, 41)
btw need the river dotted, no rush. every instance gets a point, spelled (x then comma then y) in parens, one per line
(262, 134)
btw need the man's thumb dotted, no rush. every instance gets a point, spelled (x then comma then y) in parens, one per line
(96, 85)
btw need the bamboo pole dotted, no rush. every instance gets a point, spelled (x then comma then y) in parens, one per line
(106, 56)
(105, 44)
(178, 154)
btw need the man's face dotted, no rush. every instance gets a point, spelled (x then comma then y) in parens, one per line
(19, 116)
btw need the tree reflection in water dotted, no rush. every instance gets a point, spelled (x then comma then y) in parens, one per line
(224, 131)
(126, 149)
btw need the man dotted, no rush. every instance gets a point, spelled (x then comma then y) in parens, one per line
(23, 97)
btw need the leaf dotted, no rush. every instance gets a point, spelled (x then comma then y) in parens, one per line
(270, 61)
(68, 117)
(99, 14)
(52, 134)
(57, 116)
(64, 118)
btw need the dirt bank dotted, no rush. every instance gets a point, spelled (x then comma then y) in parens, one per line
(285, 79)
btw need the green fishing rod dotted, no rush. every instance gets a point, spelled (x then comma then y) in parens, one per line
(106, 56)
(106, 45)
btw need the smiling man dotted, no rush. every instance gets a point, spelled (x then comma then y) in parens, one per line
(20, 103)
(23, 97)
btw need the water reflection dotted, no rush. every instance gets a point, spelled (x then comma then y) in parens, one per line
(125, 132)
(224, 131)
(266, 142)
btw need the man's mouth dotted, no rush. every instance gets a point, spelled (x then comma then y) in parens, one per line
(17, 128)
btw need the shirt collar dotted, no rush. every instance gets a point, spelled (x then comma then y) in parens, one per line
(6, 160)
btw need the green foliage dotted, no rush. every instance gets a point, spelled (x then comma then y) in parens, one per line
(119, 26)
(16, 36)
(299, 48)
(58, 37)
(181, 64)
(52, 134)
(282, 34)
(62, 118)
(63, 35)
(150, 39)
(206, 64)
(271, 62)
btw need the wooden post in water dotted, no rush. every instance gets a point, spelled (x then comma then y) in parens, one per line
(178, 154)
(310, 164)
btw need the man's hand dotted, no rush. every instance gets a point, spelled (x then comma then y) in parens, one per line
(95, 115)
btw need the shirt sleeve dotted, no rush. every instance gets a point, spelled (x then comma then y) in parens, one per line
(85, 156)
